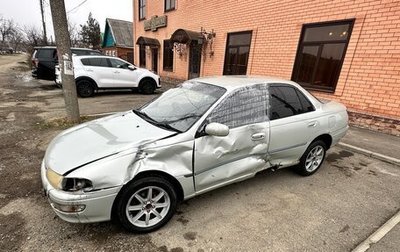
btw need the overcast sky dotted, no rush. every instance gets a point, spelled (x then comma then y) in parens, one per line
(27, 12)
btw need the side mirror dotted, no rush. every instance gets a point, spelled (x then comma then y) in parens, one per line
(130, 67)
(216, 129)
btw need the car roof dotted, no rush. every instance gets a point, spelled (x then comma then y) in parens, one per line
(73, 48)
(95, 56)
(236, 81)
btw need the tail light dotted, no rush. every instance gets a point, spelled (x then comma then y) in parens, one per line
(35, 62)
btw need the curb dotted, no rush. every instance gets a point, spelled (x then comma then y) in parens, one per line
(378, 234)
(372, 154)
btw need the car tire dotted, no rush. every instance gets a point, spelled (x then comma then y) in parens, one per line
(147, 86)
(85, 88)
(57, 85)
(312, 158)
(146, 204)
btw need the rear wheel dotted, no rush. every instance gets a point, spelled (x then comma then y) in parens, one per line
(147, 86)
(146, 204)
(85, 88)
(312, 159)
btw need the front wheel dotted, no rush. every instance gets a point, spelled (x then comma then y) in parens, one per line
(146, 205)
(312, 159)
(147, 86)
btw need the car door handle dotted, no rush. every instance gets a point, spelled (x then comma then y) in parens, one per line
(258, 136)
(312, 124)
(89, 70)
(116, 72)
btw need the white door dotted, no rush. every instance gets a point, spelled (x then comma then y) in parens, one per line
(222, 160)
(124, 76)
(98, 69)
(294, 124)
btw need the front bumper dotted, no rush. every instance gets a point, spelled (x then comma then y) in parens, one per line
(97, 204)
(159, 83)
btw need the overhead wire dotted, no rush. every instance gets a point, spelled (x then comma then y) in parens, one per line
(76, 7)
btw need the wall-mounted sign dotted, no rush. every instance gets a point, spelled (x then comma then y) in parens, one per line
(155, 22)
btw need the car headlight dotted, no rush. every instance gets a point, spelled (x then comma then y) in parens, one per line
(76, 184)
(68, 184)
(54, 178)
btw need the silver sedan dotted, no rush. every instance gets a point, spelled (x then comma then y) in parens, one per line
(136, 166)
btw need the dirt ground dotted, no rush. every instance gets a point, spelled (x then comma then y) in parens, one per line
(333, 210)
(27, 105)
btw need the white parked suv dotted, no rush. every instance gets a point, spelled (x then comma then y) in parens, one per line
(102, 72)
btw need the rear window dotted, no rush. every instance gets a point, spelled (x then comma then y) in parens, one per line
(46, 53)
(100, 62)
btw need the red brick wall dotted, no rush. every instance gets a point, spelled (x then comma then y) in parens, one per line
(117, 52)
(370, 77)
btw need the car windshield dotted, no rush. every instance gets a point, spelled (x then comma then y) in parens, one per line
(179, 108)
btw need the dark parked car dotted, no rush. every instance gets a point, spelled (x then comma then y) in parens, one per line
(44, 60)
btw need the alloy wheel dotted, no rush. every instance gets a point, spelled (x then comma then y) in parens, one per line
(148, 206)
(314, 158)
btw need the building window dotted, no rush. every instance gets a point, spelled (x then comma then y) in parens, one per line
(142, 9)
(129, 57)
(237, 53)
(168, 57)
(320, 54)
(169, 5)
(142, 55)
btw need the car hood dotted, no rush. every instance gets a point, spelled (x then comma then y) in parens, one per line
(100, 138)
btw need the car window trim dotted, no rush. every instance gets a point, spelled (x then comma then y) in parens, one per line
(299, 93)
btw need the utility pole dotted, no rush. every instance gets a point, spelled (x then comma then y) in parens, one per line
(65, 59)
(43, 23)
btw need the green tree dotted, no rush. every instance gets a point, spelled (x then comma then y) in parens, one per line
(90, 33)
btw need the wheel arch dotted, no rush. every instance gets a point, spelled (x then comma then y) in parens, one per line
(326, 138)
(152, 173)
(147, 78)
(86, 78)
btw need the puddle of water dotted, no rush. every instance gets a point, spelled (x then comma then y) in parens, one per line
(333, 157)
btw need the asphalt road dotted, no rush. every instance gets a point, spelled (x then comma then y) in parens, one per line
(333, 210)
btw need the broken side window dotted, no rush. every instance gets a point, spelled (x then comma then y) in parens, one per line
(248, 105)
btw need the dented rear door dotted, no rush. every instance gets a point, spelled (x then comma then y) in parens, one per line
(223, 160)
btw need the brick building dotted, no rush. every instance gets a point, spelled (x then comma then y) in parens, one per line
(347, 51)
(118, 39)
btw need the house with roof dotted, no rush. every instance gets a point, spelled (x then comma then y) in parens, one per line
(118, 39)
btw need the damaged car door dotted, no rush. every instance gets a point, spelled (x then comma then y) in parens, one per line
(220, 160)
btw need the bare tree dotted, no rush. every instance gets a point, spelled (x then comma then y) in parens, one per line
(74, 35)
(33, 36)
(16, 39)
(7, 27)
